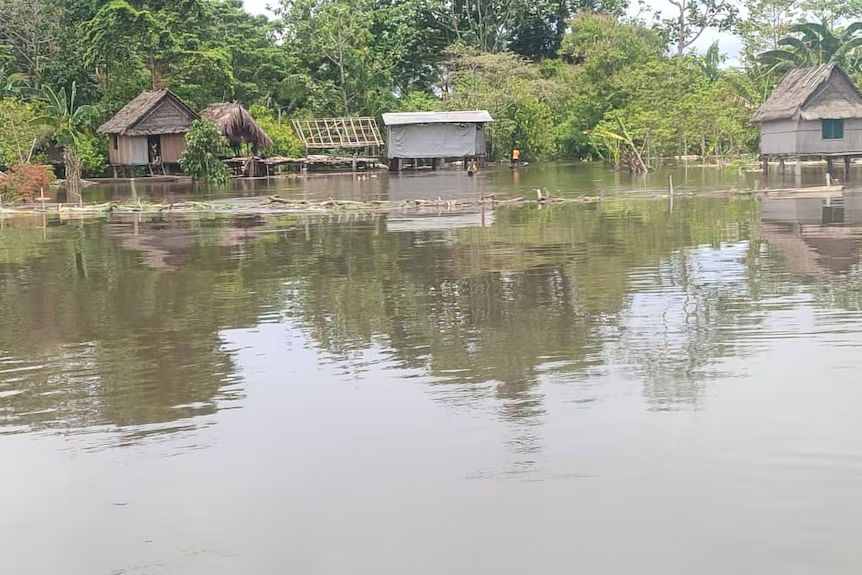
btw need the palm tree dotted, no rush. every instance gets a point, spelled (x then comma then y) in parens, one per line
(812, 44)
(67, 121)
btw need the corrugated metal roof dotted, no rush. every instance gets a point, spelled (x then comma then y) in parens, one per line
(402, 118)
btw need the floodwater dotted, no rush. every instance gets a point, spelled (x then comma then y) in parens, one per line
(627, 387)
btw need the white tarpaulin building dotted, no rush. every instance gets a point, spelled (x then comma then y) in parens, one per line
(435, 135)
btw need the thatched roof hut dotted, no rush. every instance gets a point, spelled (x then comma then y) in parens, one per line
(137, 118)
(236, 124)
(816, 93)
(814, 111)
(150, 130)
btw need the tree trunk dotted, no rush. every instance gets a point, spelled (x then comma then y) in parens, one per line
(73, 175)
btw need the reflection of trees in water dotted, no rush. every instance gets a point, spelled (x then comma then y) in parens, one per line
(531, 296)
(106, 340)
(490, 313)
(688, 314)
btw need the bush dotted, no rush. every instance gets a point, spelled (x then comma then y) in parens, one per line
(24, 181)
(18, 131)
(284, 140)
(204, 147)
(93, 153)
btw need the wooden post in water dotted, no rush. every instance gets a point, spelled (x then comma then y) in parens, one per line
(829, 166)
(781, 166)
(847, 161)
(764, 164)
(670, 194)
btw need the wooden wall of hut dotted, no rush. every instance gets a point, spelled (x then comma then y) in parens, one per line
(172, 148)
(128, 150)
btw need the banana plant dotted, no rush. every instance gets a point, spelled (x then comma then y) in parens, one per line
(67, 121)
(812, 44)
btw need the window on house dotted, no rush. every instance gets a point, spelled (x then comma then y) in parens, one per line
(115, 141)
(832, 129)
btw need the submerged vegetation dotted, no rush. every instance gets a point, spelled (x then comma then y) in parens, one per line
(564, 79)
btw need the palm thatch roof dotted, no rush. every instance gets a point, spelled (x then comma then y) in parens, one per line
(236, 124)
(819, 92)
(137, 118)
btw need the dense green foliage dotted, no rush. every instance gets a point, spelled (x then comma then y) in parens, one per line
(201, 157)
(20, 134)
(284, 140)
(563, 79)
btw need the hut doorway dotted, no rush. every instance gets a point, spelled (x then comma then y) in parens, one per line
(154, 154)
(154, 149)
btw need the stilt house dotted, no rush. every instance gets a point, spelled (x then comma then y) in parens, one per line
(814, 111)
(435, 136)
(149, 131)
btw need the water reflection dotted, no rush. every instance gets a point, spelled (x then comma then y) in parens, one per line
(121, 322)
(555, 179)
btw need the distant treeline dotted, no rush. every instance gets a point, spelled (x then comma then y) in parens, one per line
(568, 79)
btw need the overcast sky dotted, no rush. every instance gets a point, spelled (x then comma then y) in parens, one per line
(728, 43)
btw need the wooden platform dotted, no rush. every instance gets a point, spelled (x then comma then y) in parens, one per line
(810, 192)
(143, 180)
(316, 161)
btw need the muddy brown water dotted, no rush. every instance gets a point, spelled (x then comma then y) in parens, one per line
(628, 387)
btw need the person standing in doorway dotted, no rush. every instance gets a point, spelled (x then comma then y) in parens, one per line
(516, 157)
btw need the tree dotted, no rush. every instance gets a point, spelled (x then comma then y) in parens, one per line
(539, 30)
(513, 90)
(334, 41)
(603, 52)
(30, 28)
(67, 120)
(284, 140)
(833, 13)
(812, 44)
(201, 157)
(766, 23)
(696, 16)
(20, 132)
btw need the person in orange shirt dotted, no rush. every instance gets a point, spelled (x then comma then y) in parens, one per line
(516, 157)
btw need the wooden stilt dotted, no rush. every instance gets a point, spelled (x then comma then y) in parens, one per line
(830, 166)
(764, 164)
(847, 161)
(781, 166)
